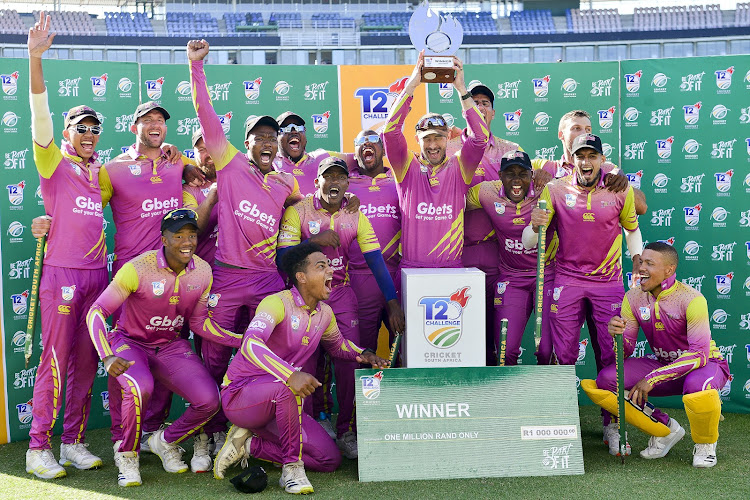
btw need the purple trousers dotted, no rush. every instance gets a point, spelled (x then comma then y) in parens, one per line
(65, 298)
(284, 433)
(712, 376)
(371, 310)
(484, 257)
(180, 370)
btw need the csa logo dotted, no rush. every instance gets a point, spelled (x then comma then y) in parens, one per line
(606, 117)
(252, 88)
(282, 89)
(746, 285)
(724, 78)
(691, 250)
(607, 149)
(99, 85)
(443, 318)
(719, 113)
(153, 88)
(724, 180)
(569, 86)
(541, 86)
(226, 122)
(19, 302)
(15, 230)
(664, 147)
(692, 113)
(10, 119)
(631, 114)
(690, 148)
(724, 283)
(68, 292)
(15, 193)
(125, 85)
(295, 322)
(692, 215)
(645, 313)
(449, 119)
(183, 88)
(719, 216)
(24, 412)
(445, 90)
(320, 122)
(633, 81)
(541, 120)
(582, 350)
(659, 82)
(213, 299)
(502, 286)
(376, 102)
(371, 385)
(635, 179)
(513, 120)
(105, 400)
(10, 83)
(158, 287)
(719, 316)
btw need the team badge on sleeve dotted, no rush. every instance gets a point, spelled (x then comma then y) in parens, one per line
(158, 287)
(68, 292)
(371, 385)
(314, 226)
(213, 299)
(570, 200)
(499, 208)
(645, 313)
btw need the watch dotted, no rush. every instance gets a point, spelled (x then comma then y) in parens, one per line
(466, 96)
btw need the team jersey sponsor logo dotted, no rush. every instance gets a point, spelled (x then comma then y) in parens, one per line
(660, 182)
(154, 87)
(313, 226)
(569, 85)
(635, 179)
(219, 91)
(158, 287)
(320, 122)
(634, 150)
(15, 193)
(10, 85)
(723, 252)
(691, 250)
(316, 91)
(99, 86)
(664, 147)
(724, 180)
(661, 117)
(659, 82)
(165, 322)
(631, 114)
(443, 318)
(445, 90)
(499, 208)
(513, 120)
(68, 292)
(606, 118)
(719, 114)
(24, 413)
(508, 90)
(371, 385)
(692, 113)
(125, 85)
(281, 89)
(68, 87)
(724, 79)
(602, 88)
(295, 322)
(692, 82)
(633, 81)
(502, 286)
(376, 103)
(723, 149)
(724, 283)
(645, 313)
(252, 88)
(692, 214)
(541, 86)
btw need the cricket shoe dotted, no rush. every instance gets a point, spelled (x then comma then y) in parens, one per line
(704, 455)
(324, 419)
(116, 448)
(145, 448)
(612, 439)
(79, 456)
(236, 448)
(201, 461)
(294, 480)
(218, 440)
(348, 445)
(42, 464)
(169, 453)
(658, 447)
(127, 463)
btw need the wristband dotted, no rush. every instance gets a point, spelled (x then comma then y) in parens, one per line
(466, 96)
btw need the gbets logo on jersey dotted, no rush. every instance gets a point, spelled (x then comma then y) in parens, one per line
(320, 123)
(443, 318)
(10, 86)
(153, 88)
(99, 87)
(376, 103)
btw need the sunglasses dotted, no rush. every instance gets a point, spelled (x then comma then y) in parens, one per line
(431, 121)
(181, 213)
(372, 139)
(292, 127)
(82, 129)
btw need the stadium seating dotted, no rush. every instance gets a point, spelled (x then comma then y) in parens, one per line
(392, 21)
(476, 23)
(286, 19)
(11, 23)
(532, 22)
(676, 18)
(126, 24)
(188, 23)
(593, 21)
(234, 19)
(71, 23)
(742, 14)
(331, 20)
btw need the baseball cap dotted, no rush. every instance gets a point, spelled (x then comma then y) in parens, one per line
(330, 162)
(516, 157)
(144, 108)
(587, 141)
(431, 123)
(254, 120)
(177, 219)
(252, 480)
(78, 113)
(197, 135)
(286, 114)
(477, 87)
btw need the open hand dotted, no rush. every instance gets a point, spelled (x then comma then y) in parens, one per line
(39, 38)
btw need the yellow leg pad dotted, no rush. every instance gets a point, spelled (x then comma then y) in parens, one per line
(634, 416)
(703, 410)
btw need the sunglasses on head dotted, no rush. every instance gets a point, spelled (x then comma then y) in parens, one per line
(292, 127)
(181, 213)
(82, 129)
(372, 139)
(431, 121)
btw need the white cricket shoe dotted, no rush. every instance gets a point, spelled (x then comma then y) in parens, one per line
(219, 438)
(42, 464)
(294, 480)
(612, 439)
(79, 456)
(348, 445)
(201, 461)
(169, 453)
(128, 463)
(116, 449)
(236, 448)
(144, 442)
(658, 447)
(326, 423)
(704, 455)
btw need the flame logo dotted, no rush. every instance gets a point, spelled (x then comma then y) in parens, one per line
(460, 297)
(434, 33)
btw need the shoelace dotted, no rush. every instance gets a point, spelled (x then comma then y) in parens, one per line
(48, 459)
(80, 449)
(297, 474)
(175, 453)
(703, 449)
(128, 463)
(201, 446)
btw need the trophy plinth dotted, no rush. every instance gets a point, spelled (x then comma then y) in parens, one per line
(440, 38)
(438, 69)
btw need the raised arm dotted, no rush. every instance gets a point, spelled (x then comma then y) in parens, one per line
(46, 158)
(478, 134)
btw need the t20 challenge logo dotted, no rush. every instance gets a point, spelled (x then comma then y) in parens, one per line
(606, 118)
(320, 122)
(664, 147)
(724, 79)
(724, 283)
(99, 86)
(443, 318)
(513, 120)
(633, 81)
(376, 103)
(541, 86)
(371, 385)
(692, 113)
(252, 88)
(153, 88)
(10, 84)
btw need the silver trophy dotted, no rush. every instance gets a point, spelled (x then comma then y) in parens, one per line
(440, 37)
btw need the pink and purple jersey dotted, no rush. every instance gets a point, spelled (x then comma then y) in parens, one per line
(676, 326)
(140, 191)
(378, 201)
(305, 170)
(71, 194)
(284, 334)
(432, 198)
(588, 228)
(308, 218)
(192, 197)
(250, 203)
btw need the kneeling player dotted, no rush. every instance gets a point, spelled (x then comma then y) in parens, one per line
(263, 398)
(674, 318)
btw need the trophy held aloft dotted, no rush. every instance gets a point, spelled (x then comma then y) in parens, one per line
(439, 37)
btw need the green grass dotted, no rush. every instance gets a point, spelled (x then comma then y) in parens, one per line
(669, 477)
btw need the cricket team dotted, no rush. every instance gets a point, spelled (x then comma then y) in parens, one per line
(295, 262)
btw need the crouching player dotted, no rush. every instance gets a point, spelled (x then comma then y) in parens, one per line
(674, 318)
(159, 290)
(264, 387)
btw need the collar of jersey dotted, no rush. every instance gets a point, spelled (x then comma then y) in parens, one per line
(356, 173)
(429, 166)
(668, 286)
(304, 157)
(161, 261)
(318, 206)
(257, 168)
(300, 301)
(135, 155)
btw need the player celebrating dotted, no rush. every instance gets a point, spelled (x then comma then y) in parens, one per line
(74, 274)
(508, 203)
(308, 220)
(203, 199)
(263, 397)
(160, 291)
(674, 318)
(432, 186)
(588, 269)
(293, 157)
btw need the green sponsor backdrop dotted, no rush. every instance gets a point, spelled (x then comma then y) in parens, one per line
(491, 421)
(686, 178)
